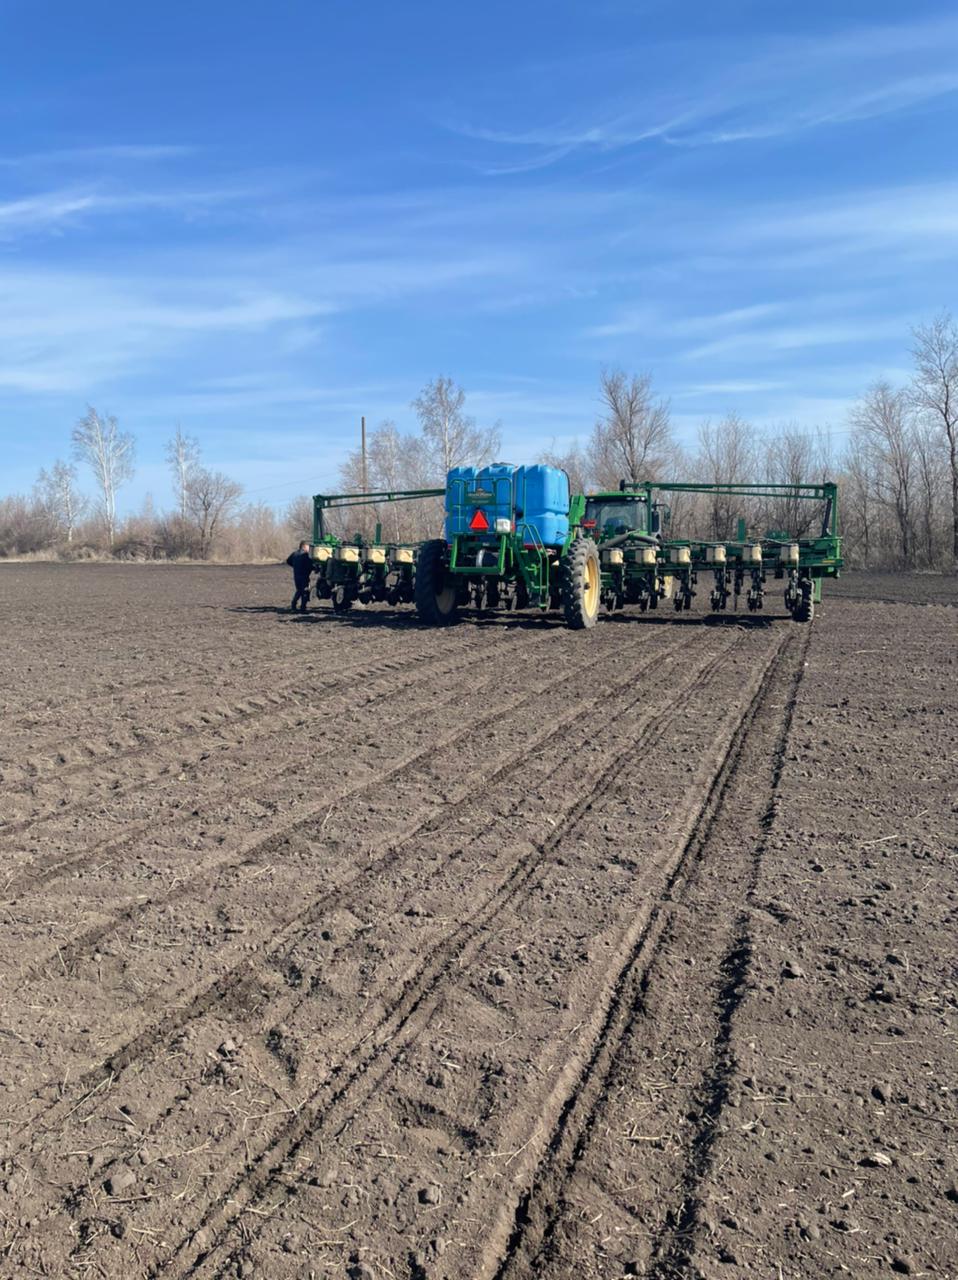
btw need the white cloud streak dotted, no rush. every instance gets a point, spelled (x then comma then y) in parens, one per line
(29, 215)
(769, 341)
(121, 152)
(853, 75)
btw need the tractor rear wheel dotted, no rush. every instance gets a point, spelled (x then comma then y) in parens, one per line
(803, 601)
(581, 584)
(436, 601)
(804, 610)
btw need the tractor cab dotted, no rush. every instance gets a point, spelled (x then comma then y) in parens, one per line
(611, 515)
(628, 525)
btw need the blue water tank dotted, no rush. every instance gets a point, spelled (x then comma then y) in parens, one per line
(499, 480)
(459, 481)
(542, 505)
(490, 489)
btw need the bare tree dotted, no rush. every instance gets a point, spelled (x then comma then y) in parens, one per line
(931, 470)
(726, 455)
(58, 491)
(26, 525)
(633, 439)
(451, 437)
(935, 391)
(395, 460)
(790, 458)
(883, 426)
(256, 533)
(211, 497)
(573, 462)
(108, 451)
(298, 518)
(858, 503)
(183, 456)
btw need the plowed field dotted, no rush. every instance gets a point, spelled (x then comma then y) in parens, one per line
(336, 947)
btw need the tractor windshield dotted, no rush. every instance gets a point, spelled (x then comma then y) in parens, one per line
(613, 516)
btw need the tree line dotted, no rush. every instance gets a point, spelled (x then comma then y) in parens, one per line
(59, 514)
(897, 472)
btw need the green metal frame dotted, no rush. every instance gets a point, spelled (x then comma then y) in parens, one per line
(819, 556)
(336, 501)
(824, 549)
(513, 560)
(826, 492)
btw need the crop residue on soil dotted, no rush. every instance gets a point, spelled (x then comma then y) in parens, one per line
(340, 947)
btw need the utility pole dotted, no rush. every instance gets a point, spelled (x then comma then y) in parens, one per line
(365, 474)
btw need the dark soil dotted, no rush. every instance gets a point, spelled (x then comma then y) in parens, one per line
(896, 588)
(340, 947)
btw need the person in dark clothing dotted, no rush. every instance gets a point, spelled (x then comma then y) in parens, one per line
(301, 562)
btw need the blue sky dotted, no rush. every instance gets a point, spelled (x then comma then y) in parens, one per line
(262, 220)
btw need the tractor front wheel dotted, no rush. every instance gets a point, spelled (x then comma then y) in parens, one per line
(436, 601)
(342, 600)
(581, 581)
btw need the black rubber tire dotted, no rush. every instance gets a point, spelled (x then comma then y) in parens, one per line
(804, 611)
(580, 579)
(436, 597)
(342, 603)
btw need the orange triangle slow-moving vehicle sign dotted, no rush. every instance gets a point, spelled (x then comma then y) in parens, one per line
(479, 523)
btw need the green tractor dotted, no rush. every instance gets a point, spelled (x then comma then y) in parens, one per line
(642, 564)
(628, 527)
(515, 538)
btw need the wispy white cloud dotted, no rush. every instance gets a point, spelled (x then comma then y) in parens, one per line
(841, 106)
(28, 215)
(632, 321)
(71, 330)
(652, 320)
(558, 141)
(863, 220)
(46, 210)
(776, 89)
(68, 331)
(768, 341)
(95, 154)
(729, 387)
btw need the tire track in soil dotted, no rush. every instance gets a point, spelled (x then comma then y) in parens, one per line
(213, 718)
(43, 869)
(214, 731)
(67, 702)
(535, 1241)
(62, 965)
(907, 604)
(45, 754)
(63, 703)
(41, 764)
(673, 1245)
(66, 954)
(333, 1122)
(327, 1113)
(317, 1148)
(517, 877)
(200, 663)
(232, 988)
